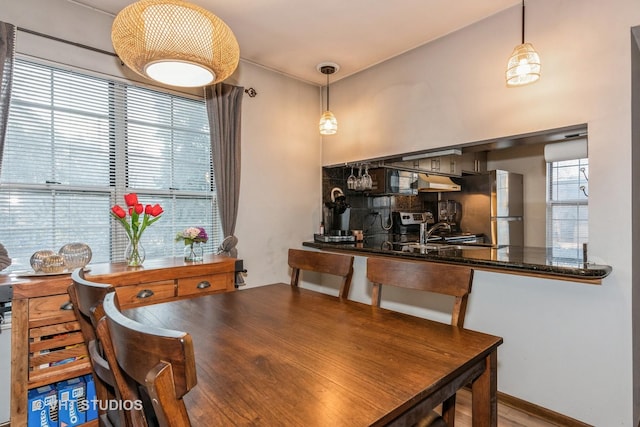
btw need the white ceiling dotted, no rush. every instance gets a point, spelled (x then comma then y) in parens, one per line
(293, 36)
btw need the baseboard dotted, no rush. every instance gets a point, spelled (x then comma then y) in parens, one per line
(539, 411)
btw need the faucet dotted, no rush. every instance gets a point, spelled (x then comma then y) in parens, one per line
(424, 234)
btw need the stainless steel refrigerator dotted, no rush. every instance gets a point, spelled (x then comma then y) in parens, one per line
(492, 204)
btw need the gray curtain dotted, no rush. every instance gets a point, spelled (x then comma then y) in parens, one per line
(224, 110)
(7, 47)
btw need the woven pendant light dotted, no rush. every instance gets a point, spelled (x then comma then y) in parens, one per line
(175, 43)
(523, 67)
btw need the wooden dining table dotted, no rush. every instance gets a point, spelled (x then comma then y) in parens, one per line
(281, 356)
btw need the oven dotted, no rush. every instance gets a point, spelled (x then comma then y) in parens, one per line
(406, 226)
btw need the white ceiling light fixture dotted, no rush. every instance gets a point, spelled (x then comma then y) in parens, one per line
(523, 67)
(328, 124)
(175, 43)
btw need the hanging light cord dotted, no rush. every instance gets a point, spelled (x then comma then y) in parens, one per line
(327, 91)
(522, 21)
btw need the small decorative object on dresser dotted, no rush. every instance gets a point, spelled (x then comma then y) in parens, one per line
(5, 260)
(134, 253)
(76, 255)
(53, 264)
(193, 238)
(38, 257)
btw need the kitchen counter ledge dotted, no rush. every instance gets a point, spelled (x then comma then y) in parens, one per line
(523, 261)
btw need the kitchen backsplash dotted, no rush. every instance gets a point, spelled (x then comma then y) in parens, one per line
(372, 214)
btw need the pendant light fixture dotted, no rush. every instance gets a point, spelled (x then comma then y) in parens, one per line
(328, 123)
(524, 64)
(175, 43)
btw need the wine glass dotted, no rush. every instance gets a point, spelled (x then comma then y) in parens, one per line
(366, 179)
(359, 179)
(351, 181)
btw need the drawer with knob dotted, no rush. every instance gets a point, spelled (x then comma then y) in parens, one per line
(146, 293)
(205, 284)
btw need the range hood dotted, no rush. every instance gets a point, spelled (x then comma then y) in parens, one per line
(433, 183)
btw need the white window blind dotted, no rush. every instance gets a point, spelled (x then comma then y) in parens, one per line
(567, 208)
(76, 144)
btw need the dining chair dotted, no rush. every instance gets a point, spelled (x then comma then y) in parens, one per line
(322, 262)
(159, 361)
(440, 278)
(111, 385)
(86, 298)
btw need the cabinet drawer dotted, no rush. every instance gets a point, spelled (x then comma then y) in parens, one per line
(50, 310)
(146, 293)
(205, 284)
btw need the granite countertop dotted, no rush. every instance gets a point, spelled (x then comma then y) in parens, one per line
(511, 259)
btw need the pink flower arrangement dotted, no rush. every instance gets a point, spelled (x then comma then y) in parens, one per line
(192, 235)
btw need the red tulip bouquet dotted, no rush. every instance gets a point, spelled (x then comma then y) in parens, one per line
(135, 220)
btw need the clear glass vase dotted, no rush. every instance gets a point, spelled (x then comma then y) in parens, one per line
(193, 252)
(134, 253)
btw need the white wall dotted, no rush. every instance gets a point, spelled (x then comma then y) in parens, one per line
(635, 229)
(281, 175)
(567, 346)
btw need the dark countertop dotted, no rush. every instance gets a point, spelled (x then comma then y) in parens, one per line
(509, 259)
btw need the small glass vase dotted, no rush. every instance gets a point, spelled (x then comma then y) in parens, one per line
(134, 254)
(193, 252)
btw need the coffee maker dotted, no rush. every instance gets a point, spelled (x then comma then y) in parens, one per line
(336, 216)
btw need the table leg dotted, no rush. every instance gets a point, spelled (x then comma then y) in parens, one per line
(484, 394)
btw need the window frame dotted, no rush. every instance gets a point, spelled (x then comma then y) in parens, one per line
(567, 251)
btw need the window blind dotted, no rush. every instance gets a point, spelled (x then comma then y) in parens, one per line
(76, 144)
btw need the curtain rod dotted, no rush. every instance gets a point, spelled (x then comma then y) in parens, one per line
(80, 45)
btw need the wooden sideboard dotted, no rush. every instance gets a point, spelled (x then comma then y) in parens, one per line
(46, 342)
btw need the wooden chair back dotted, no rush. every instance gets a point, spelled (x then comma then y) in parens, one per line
(160, 361)
(87, 298)
(447, 279)
(322, 262)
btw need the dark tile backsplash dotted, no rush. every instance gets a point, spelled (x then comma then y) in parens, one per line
(370, 214)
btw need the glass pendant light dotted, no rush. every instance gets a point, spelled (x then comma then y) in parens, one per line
(524, 64)
(328, 124)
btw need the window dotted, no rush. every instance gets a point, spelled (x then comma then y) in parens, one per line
(77, 143)
(567, 208)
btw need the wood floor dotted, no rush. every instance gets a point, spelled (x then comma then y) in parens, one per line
(507, 416)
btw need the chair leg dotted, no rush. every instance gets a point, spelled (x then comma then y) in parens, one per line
(449, 410)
